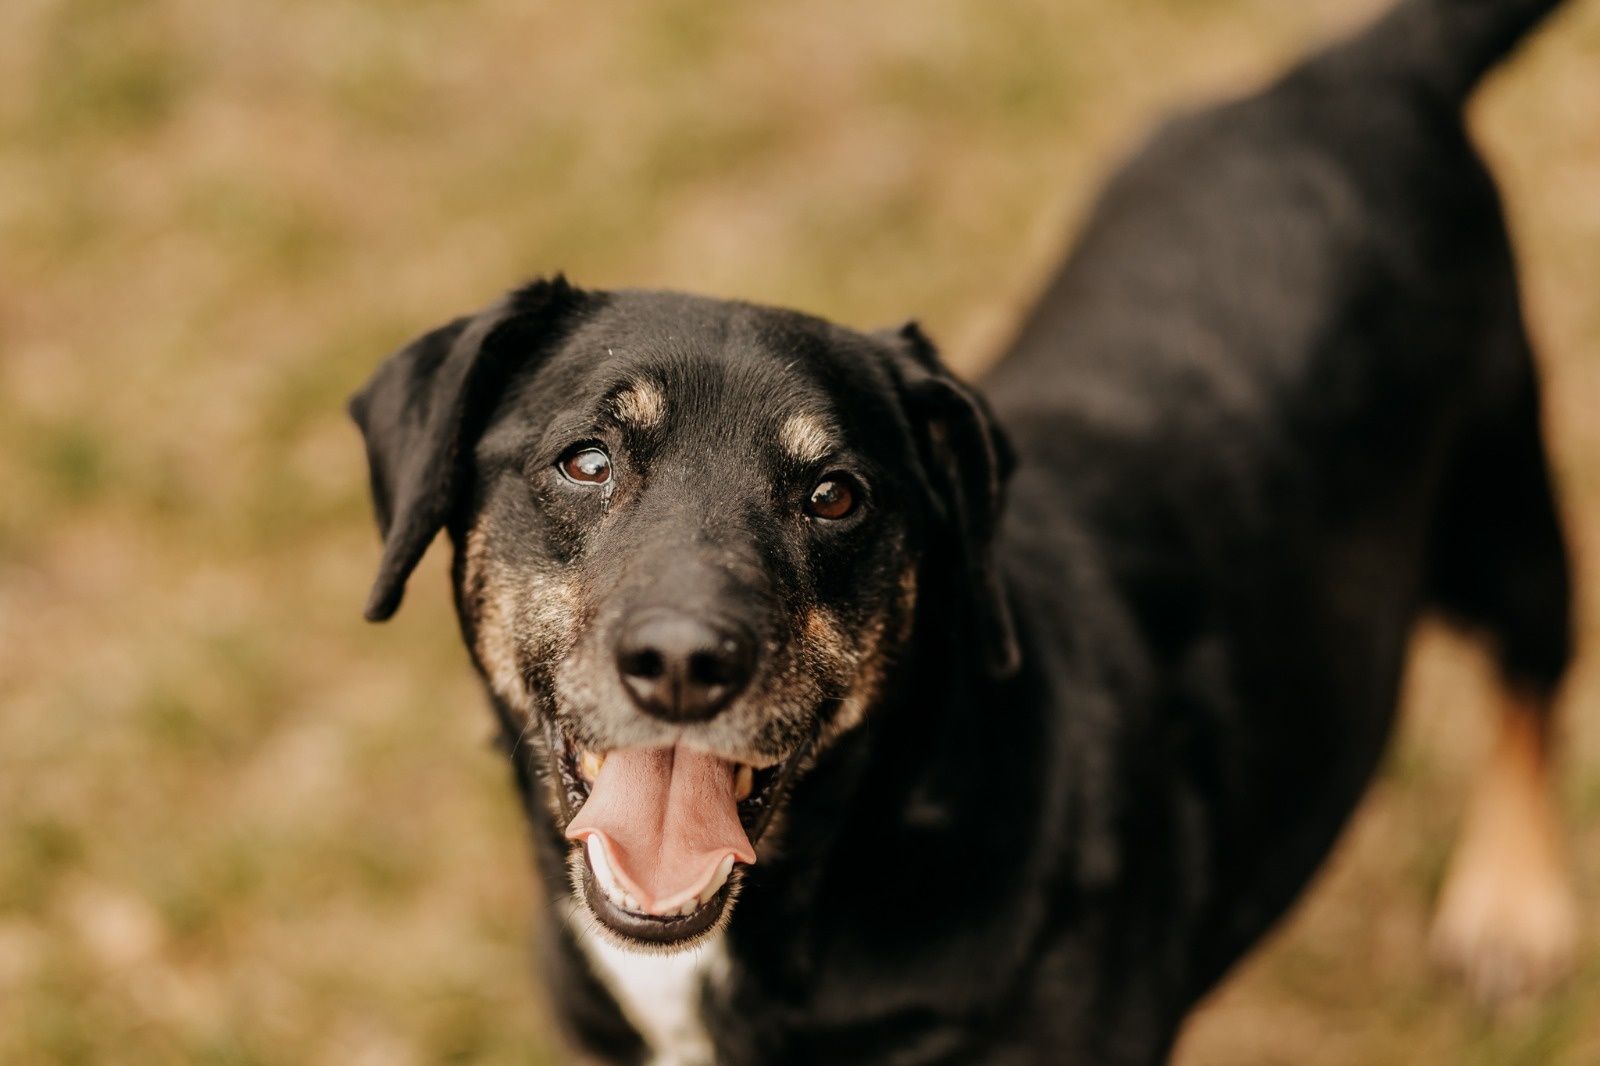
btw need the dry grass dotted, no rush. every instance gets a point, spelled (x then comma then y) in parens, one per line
(237, 825)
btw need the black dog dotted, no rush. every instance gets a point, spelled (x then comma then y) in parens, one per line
(920, 779)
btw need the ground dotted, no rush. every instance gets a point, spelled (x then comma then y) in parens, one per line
(238, 825)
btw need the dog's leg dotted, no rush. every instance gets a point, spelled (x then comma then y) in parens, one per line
(1508, 916)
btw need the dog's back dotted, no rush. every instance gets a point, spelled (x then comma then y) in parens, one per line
(1235, 253)
(1283, 383)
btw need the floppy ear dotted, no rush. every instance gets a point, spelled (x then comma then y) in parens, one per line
(967, 459)
(419, 413)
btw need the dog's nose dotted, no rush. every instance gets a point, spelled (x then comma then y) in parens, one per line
(683, 668)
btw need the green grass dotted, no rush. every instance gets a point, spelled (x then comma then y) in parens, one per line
(237, 825)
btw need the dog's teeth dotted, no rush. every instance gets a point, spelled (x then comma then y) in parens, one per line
(602, 872)
(717, 881)
(743, 781)
(600, 867)
(589, 765)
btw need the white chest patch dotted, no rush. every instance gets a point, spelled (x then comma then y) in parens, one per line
(659, 994)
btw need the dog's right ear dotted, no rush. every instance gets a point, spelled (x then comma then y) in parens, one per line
(419, 412)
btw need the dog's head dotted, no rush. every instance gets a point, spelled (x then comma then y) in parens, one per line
(691, 540)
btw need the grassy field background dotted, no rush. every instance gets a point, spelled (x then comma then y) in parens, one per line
(238, 825)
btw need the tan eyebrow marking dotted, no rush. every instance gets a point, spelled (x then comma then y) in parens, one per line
(805, 438)
(641, 404)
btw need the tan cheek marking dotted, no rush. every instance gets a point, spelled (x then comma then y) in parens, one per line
(871, 665)
(825, 636)
(858, 658)
(547, 606)
(864, 689)
(642, 405)
(805, 438)
(492, 637)
(908, 602)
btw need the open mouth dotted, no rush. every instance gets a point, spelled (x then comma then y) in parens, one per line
(665, 832)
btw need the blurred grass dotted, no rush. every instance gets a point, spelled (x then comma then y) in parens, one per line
(239, 826)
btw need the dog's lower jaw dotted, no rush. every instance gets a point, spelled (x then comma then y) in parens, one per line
(644, 934)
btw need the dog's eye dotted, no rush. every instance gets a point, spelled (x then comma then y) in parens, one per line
(586, 465)
(833, 498)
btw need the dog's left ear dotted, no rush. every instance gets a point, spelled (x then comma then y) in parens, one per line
(420, 413)
(967, 460)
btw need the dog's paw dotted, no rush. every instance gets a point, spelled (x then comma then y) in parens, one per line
(1506, 926)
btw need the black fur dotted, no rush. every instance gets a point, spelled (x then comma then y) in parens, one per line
(416, 413)
(1278, 401)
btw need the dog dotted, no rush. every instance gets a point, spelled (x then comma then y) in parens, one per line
(864, 717)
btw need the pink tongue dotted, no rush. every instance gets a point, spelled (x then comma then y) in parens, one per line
(667, 818)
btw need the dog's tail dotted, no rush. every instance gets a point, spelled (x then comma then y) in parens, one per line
(1446, 46)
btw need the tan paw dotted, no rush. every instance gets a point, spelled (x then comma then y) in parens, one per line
(1509, 931)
